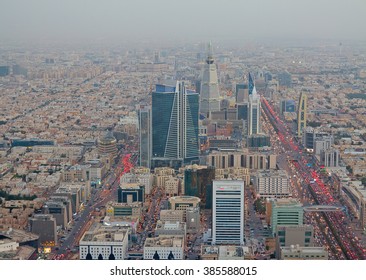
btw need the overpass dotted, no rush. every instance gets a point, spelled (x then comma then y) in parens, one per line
(324, 208)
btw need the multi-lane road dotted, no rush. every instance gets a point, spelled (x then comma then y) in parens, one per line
(99, 198)
(336, 234)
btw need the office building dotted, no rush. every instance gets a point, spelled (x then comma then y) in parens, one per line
(45, 226)
(193, 219)
(242, 158)
(198, 182)
(117, 209)
(140, 176)
(286, 212)
(242, 110)
(172, 215)
(104, 243)
(301, 113)
(107, 145)
(174, 125)
(164, 247)
(258, 141)
(130, 193)
(241, 93)
(228, 212)
(209, 94)
(330, 158)
(271, 183)
(58, 211)
(287, 106)
(145, 134)
(170, 228)
(296, 252)
(183, 202)
(312, 135)
(322, 144)
(286, 236)
(172, 186)
(254, 113)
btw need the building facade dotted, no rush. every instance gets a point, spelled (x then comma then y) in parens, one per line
(209, 94)
(174, 125)
(228, 212)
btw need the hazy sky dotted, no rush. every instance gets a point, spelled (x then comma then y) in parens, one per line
(186, 20)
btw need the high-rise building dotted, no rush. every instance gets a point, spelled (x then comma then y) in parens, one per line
(198, 182)
(145, 136)
(209, 94)
(228, 212)
(241, 93)
(45, 226)
(175, 123)
(254, 113)
(250, 84)
(301, 113)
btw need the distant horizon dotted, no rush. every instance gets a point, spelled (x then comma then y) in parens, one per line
(167, 23)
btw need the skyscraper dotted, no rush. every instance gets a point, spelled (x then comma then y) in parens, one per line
(250, 84)
(209, 95)
(145, 136)
(174, 124)
(301, 113)
(254, 113)
(228, 212)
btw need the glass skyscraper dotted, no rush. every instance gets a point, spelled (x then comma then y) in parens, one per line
(175, 123)
(254, 113)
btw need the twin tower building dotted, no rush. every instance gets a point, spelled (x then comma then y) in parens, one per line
(169, 129)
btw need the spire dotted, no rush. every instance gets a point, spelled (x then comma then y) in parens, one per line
(209, 59)
(254, 92)
(251, 84)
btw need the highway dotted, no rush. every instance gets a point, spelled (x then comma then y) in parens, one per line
(338, 234)
(99, 198)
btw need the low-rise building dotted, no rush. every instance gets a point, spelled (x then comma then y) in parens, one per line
(164, 248)
(104, 243)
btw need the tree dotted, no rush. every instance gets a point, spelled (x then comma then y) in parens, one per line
(363, 180)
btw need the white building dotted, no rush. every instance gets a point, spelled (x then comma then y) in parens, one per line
(254, 113)
(271, 183)
(163, 246)
(228, 212)
(142, 179)
(104, 243)
(8, 245)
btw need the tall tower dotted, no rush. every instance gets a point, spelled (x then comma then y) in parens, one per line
(250, 84)
(228, 212)
(301, 113)
(209, 95)
(175, 123)
(145, 134)
(254, 113)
